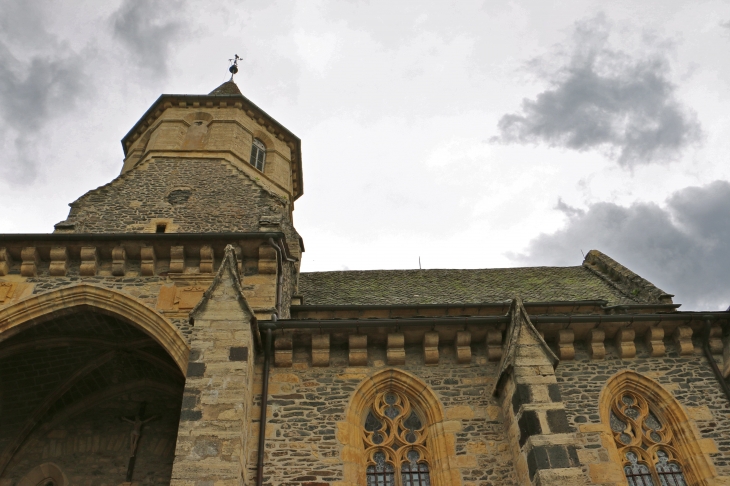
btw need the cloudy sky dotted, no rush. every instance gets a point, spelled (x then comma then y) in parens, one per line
(470, 134)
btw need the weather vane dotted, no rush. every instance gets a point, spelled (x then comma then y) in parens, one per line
(234, 67)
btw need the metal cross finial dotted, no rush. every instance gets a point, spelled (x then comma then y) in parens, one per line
(234, 67)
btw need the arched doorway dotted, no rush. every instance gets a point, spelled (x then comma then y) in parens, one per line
(83, 387)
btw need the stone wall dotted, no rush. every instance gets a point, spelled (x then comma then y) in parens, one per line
(307, 406)
(688, 378)
(93, 449)
(191, 195)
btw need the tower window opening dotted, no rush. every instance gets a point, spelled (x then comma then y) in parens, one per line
(161, 227)
(258, 154)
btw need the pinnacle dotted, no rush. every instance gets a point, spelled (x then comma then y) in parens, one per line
(227, 88)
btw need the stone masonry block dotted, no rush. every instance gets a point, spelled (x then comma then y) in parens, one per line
(283, 350)
(149, 260)
(89, 261)
(358, 344)
(396, 353)
(520, 397)
(625, 343)
(431, 348)
(5, 261)
(30, 259)
(529, 425)
(320, 350)
(206, 259)
(566, 349)
(177, 259)
(558, 421)
(119, 261)
(59, 261)
(596, 347)
(463, 347)
(267, 259)
(654, 339)
(683, 339)
(494, 345)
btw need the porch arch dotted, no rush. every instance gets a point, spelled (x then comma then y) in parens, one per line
(66, 300)
(440, 442)
(699, 469)
(45, 472)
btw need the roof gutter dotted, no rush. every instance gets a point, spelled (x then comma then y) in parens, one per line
(487, 320)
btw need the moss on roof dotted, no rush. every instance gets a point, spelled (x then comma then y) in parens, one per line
(411, 287)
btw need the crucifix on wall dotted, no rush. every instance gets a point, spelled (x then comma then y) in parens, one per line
(137, 423)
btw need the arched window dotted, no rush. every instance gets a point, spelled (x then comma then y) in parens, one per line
(258, 154)
(394, 437)
(645, 442)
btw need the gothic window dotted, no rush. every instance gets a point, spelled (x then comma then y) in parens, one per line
(394, 437)
(258, 154)
(645, 443)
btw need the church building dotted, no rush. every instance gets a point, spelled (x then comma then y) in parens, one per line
(163, 334)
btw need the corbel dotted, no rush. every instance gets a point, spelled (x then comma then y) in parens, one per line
(358, 344)
(119, 261)
(267, 259)
(654, 339)
(625, 343)
(206, 259)
(5, 261)
(30, 258)
(566, 347)
(149, 260)
(596, 346)
(431, 348)
(320, 349)
(283, 350)
(396, 354)
(716, 340)
(177, 259)
(59, 261)
(494, 345)
(89, 261)
(683, 339)
(463, 347)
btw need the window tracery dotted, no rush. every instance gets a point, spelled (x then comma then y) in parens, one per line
(645, 443)
(394, 437)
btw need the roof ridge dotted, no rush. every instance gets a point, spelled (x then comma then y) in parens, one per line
(631, 284)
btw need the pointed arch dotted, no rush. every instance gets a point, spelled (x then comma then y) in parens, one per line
(43, 474)
(686, 440)
(66, 300)
(440, 440)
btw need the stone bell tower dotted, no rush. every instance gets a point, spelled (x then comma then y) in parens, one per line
(216, 166)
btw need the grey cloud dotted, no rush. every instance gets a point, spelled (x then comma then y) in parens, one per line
(147, 30)
(681, 247)
(36, 86)
(602, 98)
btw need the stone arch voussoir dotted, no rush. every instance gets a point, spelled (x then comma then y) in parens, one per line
(691, 446)
(39, 308)
(440, 440)
(44, 472)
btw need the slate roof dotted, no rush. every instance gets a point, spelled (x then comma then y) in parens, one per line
(411, 287)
